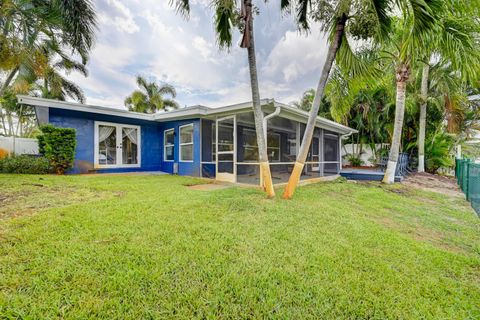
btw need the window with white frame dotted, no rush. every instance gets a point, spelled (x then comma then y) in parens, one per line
(169, 144)
(186, 143)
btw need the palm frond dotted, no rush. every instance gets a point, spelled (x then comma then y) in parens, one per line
(182, 6)
(142, 83)
(166, 89)
(224, 15)
(356, 65)
(169, 103)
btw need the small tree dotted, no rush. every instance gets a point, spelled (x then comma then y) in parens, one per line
(58, 146)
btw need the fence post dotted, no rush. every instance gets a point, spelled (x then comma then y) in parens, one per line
(467, 183)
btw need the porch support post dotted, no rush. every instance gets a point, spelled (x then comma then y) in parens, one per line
(321, 155)
(339, 168)
(297, 140)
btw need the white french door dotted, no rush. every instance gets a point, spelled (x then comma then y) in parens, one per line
(117, 145)
(226, 149)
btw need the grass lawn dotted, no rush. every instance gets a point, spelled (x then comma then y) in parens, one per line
(150, 247)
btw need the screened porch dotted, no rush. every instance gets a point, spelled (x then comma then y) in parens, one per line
(229, 149)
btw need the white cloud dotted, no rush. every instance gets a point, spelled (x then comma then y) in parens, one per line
(121, 17)
(295, 55)
(184, 53)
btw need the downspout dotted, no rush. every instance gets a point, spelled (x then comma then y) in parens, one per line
(345, 136)
(268, 117)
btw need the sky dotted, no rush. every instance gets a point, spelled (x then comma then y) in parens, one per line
(149, 38)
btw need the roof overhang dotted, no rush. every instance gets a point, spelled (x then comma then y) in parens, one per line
(268, 105)
(50, 103)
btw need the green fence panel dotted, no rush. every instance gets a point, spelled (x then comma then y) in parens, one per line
(474, 186)
(468, 178)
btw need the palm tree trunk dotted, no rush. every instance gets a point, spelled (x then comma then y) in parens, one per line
(307, 137)
(402, 75)
(4, 125)
(423, 119)
(265, 173)
(9, 79)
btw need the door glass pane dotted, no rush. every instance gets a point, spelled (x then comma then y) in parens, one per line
(225, 135)
(331, 149)
(129, 146)
(225, 163)
(107, 145)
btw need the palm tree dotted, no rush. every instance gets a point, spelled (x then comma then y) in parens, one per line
(150, 97)
(363, 103)
(31, 35)
(334, 15)
(52, 63)
(26, 25)
(226, 16)
(306, 101)
(455, 41)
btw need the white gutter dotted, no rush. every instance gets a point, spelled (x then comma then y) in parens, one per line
(278, 108)
(185, 113)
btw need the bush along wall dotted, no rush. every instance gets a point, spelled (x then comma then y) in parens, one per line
(26, 164)
(58, 146)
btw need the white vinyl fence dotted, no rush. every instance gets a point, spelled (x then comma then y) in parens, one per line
(366, 156)
(19, 145)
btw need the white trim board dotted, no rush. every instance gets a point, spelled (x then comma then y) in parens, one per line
(189, 112)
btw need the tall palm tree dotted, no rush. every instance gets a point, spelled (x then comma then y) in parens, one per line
(363, 103)
(335, 16)
(455, 42)
(150, 97)
(26, 25)
(27, 31)
(409, 44)
(226, 15)
(50, 66)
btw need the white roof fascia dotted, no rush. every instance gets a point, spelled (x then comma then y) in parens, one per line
(183, 113)
(206, 111)
(321, 122)
(41, 102)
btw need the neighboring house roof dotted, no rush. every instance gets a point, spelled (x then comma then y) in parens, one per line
(197, 111)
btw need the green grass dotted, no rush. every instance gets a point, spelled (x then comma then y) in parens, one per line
(149, 247)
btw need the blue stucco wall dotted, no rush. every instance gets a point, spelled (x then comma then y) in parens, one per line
(151, 142)
(84, 124)
(184, 168)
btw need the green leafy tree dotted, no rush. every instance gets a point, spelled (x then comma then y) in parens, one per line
(37, 40)
(455, 43)
(150, 98)
(306, 101)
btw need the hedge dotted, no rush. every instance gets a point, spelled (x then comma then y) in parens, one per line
(58, 146)
(25, 164)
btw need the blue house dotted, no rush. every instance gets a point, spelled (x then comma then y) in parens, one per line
(217, 143)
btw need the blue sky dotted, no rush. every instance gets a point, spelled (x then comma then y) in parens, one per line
(147, 37)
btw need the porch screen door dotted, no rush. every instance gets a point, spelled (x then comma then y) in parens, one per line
(226, 149)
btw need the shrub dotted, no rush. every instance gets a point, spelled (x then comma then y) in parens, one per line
(58, 146)
(354, 160)
(438, 149)
(25, 164)
(3, 153)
